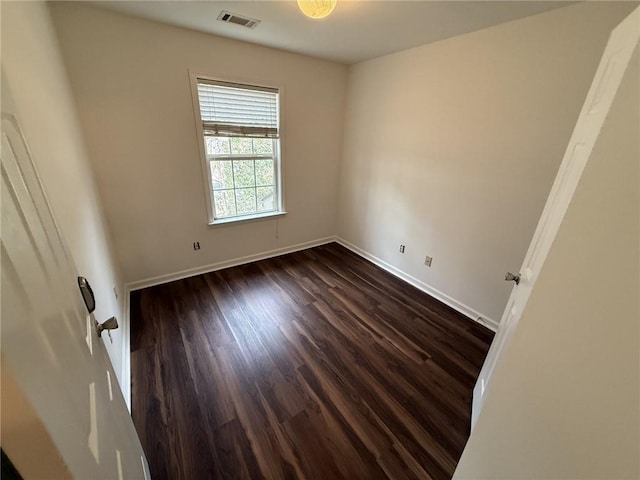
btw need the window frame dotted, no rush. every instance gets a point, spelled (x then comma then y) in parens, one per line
(206, 159)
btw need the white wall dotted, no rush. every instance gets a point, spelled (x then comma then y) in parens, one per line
(130, 81)
(451, 148)
(565, 400)
(38, 83)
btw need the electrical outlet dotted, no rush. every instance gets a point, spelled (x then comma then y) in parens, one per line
(427, 260)
(196, 245)
(401, 249)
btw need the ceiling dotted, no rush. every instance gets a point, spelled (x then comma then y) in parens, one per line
(355, 31)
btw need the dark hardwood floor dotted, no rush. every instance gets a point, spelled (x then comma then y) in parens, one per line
(313, 365)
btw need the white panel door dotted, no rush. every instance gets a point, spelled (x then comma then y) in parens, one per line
(613, 64)
(49, 341)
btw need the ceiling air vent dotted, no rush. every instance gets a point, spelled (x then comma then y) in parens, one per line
(238, 20)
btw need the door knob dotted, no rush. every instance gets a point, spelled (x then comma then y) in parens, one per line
(110, 324)
(510, 277)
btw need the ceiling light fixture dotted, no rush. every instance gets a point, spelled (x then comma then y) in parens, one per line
(317, 8)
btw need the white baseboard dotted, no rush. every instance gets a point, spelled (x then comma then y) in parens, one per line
(170, 277)
(466, 310)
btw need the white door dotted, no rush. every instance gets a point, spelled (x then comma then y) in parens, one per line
(50, 345)
(614, 61)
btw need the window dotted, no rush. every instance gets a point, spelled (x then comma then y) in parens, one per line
(241, 149)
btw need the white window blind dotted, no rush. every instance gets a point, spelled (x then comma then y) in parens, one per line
(229, 110)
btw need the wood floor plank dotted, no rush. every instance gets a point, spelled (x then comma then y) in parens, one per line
(378, 366)
(384, 403)
(312, 365)
(263, 432)
(237, 461)
(206, 376)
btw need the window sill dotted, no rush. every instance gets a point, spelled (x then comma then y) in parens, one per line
(246, 218)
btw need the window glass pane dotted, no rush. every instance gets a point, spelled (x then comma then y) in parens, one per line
(266, 199)
(224, 203)
(263, 146)
(241, 146)
(217, 145)
(246, 200)
(264, 172)
(221, 174)
(244, 173)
